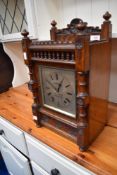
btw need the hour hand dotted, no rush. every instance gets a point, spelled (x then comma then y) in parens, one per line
(60, 84)
(52, 85)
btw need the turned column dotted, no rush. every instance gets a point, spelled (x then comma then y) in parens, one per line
(33, 85)
(82, 75)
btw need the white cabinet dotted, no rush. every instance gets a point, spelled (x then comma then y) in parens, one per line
(15, 162)
(13, 135)
(44, 160)
(37, 170)
(50, 160)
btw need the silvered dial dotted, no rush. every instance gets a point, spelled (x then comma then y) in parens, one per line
(58, 88)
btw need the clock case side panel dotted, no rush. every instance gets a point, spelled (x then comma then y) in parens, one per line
(100, 62)
(96, 59)
(99, 87)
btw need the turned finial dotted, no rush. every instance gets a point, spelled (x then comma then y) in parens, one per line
(25, 33)
(107, 16)
(81, 26)
(53, 23)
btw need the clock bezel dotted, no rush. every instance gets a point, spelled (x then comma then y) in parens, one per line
(69, 115)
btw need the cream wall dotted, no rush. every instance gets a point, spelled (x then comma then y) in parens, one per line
(45, 12)
(88, 10)
(63, 11)
(14, 50)
(113, 75)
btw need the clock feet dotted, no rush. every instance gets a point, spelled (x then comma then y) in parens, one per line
(38, 124)
(83, 148)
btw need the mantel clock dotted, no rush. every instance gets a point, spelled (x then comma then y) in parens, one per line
(69, 79)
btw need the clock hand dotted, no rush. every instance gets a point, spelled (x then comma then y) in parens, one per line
(60, 84)
(52, 85)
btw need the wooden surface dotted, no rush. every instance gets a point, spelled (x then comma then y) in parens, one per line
(112, 115)
(101, 157)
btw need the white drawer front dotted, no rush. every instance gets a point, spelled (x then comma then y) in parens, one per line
(49, 159)
(37, 170)
(15, 162)
(14, 135)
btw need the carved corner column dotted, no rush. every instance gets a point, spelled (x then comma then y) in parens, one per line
(82, 78)
(106, 27)
(53, 30)
(82, 108)
(33, 86)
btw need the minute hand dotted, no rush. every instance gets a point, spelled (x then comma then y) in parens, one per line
(52, 85)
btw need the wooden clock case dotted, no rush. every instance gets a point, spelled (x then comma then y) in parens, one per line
(72, 48)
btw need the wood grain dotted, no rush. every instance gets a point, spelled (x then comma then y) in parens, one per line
(112, 115)
(101, 157)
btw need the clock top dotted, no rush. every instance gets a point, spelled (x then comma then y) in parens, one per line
(77, 29)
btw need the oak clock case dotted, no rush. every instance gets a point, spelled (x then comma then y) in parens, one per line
(68, 78)
(58, 89)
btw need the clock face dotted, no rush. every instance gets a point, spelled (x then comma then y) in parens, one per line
(58, 89)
